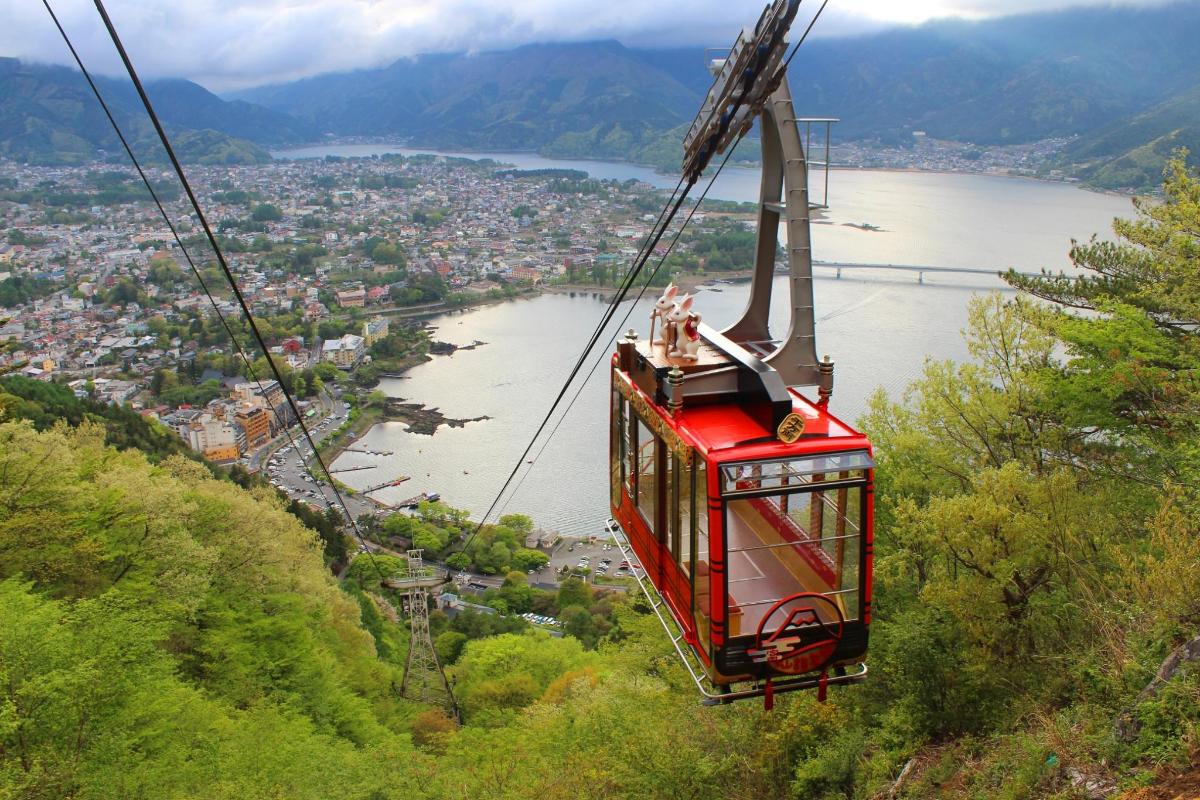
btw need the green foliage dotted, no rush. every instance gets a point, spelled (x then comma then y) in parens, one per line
(504, 673)
(574, 592)
(21, 289)
(164, 633)
(526, 559)
(1036, 548)
(1169, 723)
(266, 212)
(44, 404)
(370, 569)
(449, 646)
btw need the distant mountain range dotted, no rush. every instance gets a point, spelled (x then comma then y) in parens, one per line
(48, 115)
(596, 99)
(1123, 83)
(1122, 80)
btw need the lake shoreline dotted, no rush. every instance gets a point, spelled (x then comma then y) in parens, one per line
(467, 152)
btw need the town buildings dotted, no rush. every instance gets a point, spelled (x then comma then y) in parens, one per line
(345, 352)
(98, 295)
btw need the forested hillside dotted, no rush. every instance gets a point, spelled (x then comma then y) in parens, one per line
(1132, 151)
(1123, 79)
(164, 633)
(1016, 79)
(48, 115)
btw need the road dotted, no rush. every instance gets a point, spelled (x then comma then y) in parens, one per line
(286, 468)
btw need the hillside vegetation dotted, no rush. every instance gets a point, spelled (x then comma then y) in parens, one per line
(1132, 152)
(1121, 79)
(1016, 79)
(164, 633)
(48, 115)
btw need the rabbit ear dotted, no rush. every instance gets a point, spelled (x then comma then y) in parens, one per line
(686, 302)
(671, 290)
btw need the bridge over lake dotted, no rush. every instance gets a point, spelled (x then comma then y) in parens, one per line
(920, 269)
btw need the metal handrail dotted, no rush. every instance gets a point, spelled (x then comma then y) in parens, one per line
(808, 543)
(688, 657)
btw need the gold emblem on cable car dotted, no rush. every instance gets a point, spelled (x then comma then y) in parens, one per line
(791, 428)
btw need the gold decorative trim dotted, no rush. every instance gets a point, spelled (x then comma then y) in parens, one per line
(648, 414)
(791, 428)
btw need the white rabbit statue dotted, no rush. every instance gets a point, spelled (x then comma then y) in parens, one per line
(687, 333)
(661, 306)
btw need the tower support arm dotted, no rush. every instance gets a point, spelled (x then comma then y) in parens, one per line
(783, 196)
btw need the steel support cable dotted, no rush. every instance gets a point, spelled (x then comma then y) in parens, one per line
(174, 232)
(170, 225)
(166, 217)
(607, 318)
(605, 353)
(647, 248)
(648, 243)
(642, 249)
(162, 135)
(650, 280)
(645, 252)
(691, 181)
(803, 36)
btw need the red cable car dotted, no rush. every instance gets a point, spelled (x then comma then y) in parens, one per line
(748, 505)
(758, 543)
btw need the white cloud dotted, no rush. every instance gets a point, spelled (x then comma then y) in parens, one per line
(230, 43)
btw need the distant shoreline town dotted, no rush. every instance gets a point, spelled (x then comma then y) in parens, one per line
(338, 259)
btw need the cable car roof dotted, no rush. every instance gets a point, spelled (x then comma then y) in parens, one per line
(725, 426)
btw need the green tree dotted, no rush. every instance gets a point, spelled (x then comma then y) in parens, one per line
(265, 212)
(574, 592)
(526, 559)
(449, 646)
(1133, 360)
(522, 524)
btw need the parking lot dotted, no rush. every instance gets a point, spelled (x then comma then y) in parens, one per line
(590, 556)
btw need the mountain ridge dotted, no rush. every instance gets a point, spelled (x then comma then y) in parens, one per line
(48, 115)
(1012, 80)
(1075, 74)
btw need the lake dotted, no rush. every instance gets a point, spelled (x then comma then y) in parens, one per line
(879, 327)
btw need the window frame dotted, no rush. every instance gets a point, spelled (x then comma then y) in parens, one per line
(864, 467)
(863, 483)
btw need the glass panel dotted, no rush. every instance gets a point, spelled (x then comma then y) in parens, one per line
(683, 516)
(629, 467)
(647, 487)
(758, 475)
(783, 544)
(671, 534)
(616, 456)
(702, 589)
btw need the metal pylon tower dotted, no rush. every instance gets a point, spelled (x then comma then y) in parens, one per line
(424, 680)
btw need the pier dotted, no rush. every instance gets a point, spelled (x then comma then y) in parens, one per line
(351, 469)
(412, 502)
(377, 487)
(367, 452)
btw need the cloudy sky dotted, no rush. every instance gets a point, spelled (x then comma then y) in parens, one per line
(226, 44)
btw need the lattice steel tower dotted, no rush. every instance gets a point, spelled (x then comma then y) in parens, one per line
(424, 680)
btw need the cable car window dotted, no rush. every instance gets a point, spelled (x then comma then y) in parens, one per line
(617, 448)
(629, 450)
(647, 486)
(674, 491)
(782, 544)
(701, 583)
(770, 475)
(683, 515)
